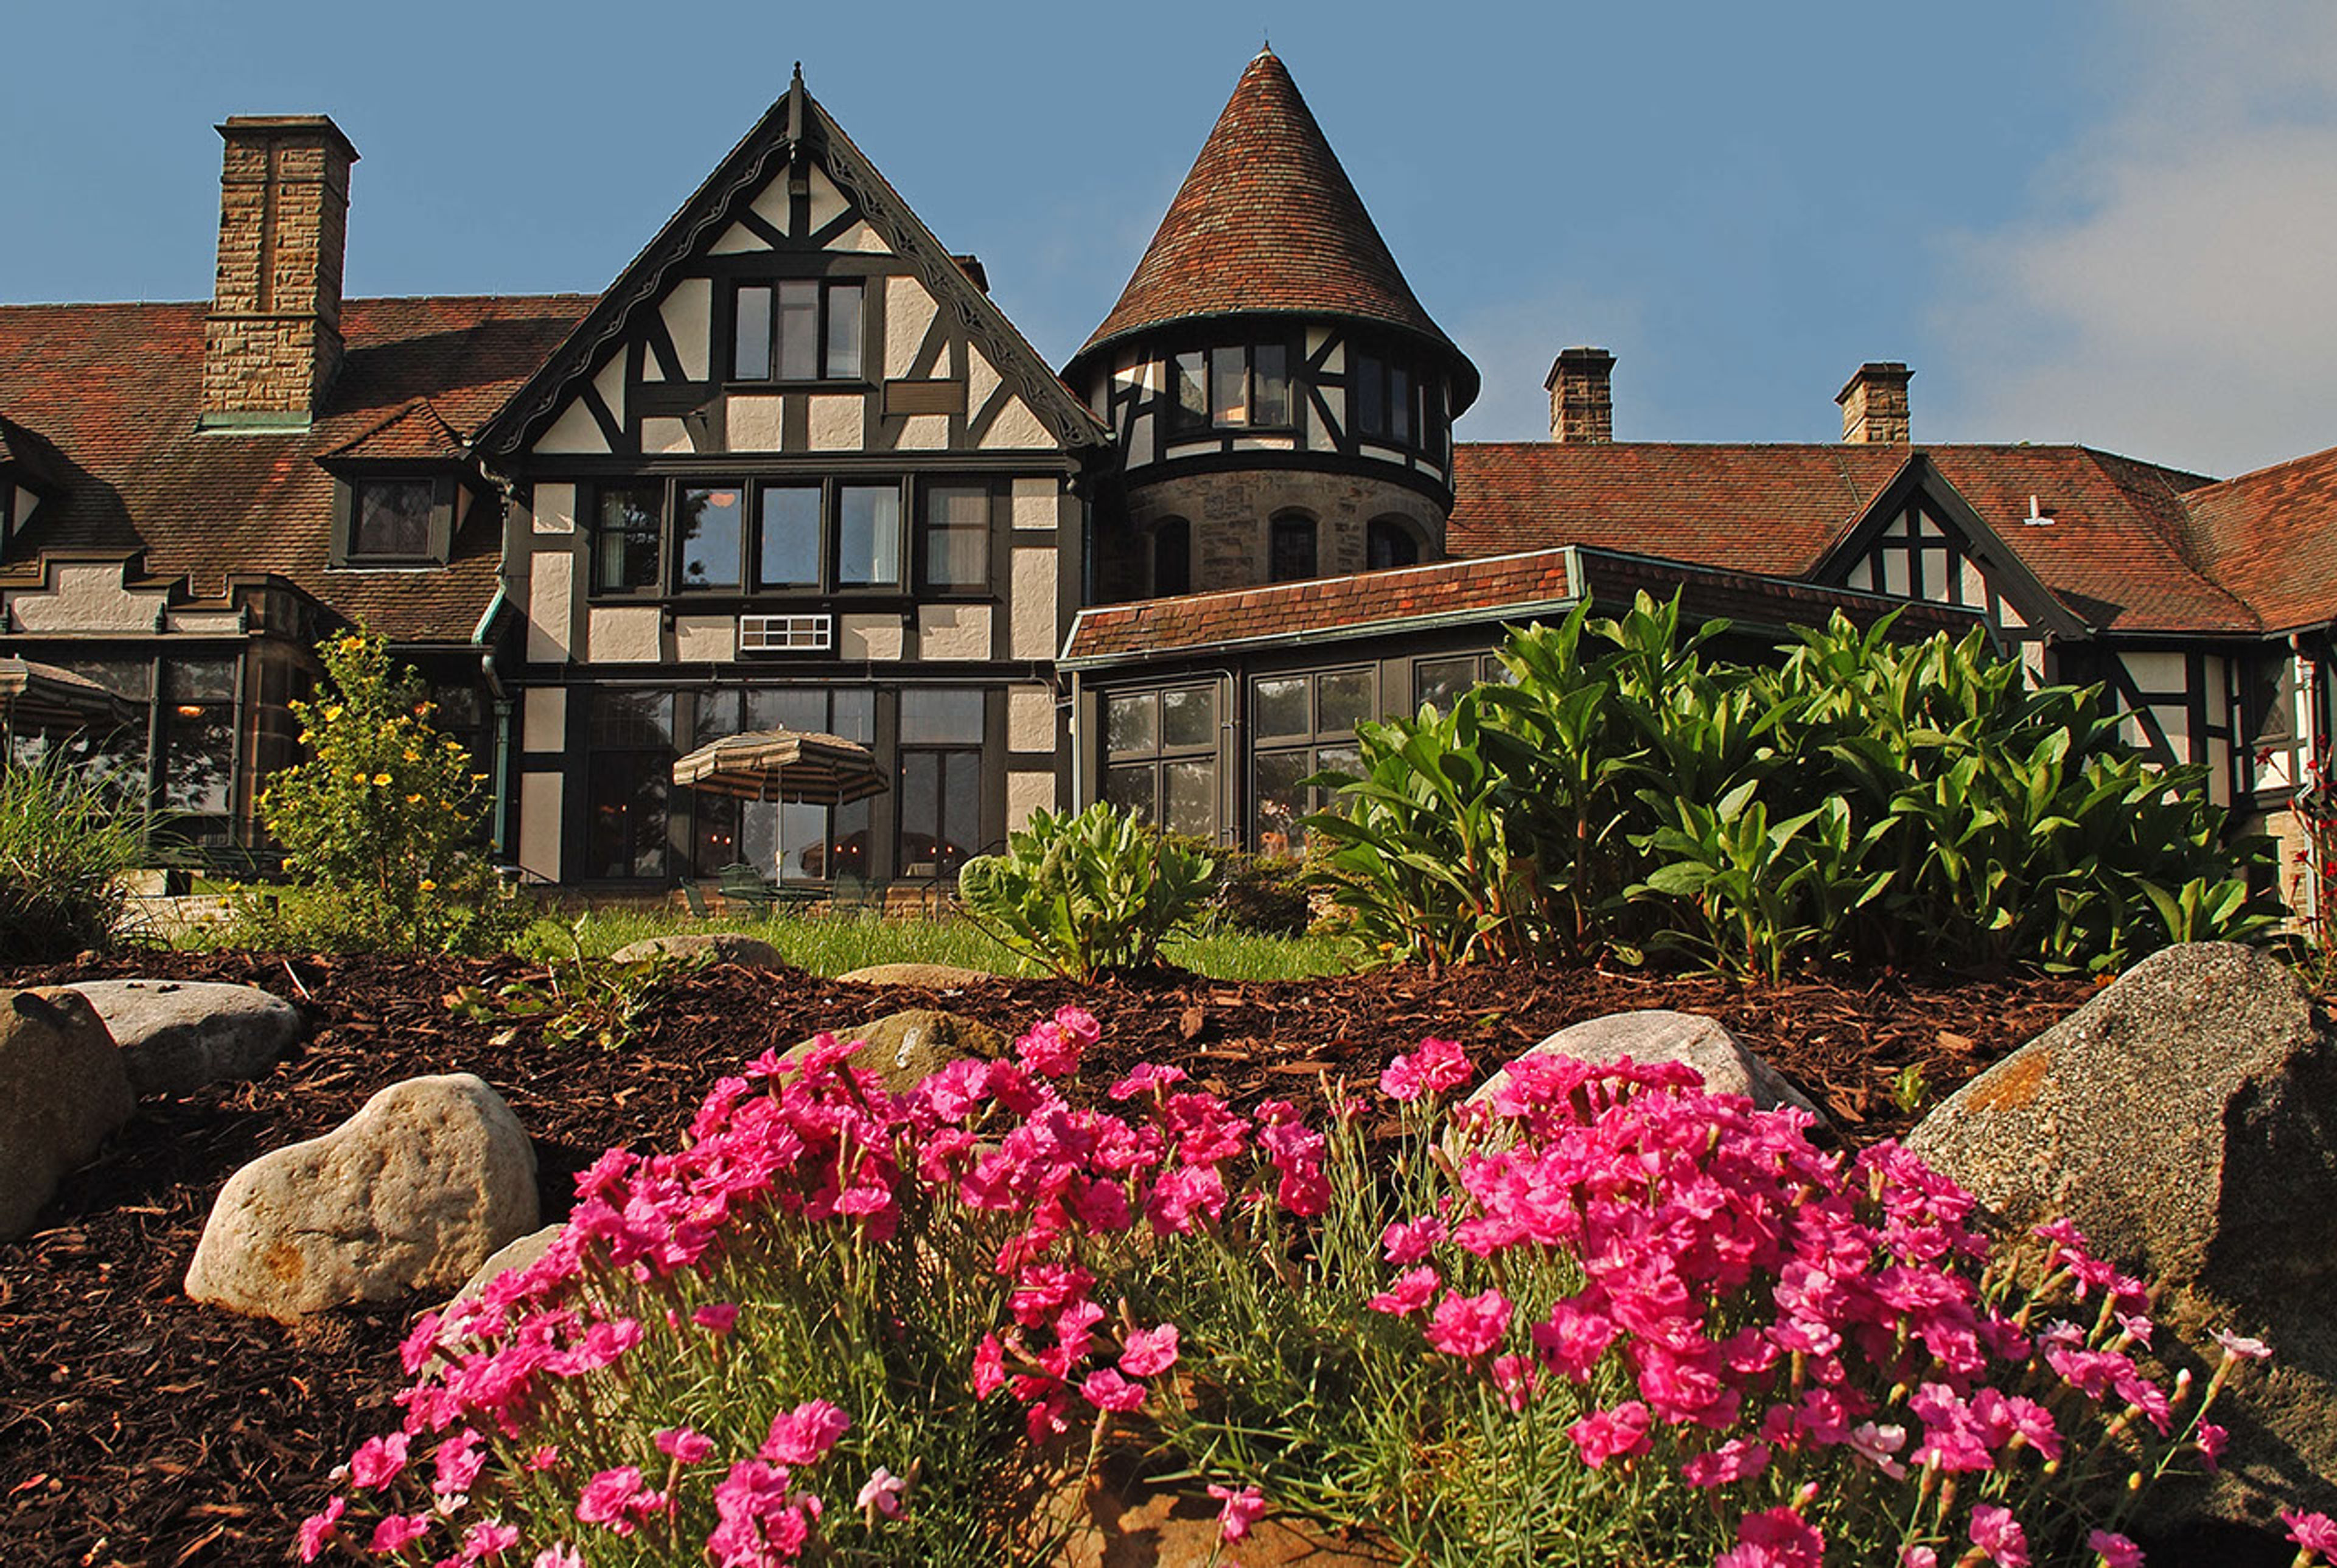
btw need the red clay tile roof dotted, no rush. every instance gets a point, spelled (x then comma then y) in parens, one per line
(115, 389)
(1292, 610)
(1267, 221)
(2271, 537)
(1488, 590)
(2120, 554)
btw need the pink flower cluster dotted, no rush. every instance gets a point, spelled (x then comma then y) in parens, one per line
(1774, 1308)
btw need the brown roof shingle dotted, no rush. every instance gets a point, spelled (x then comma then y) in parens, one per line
(2120, 554)
(1267, 221)
(115, 389)
(2271, 536)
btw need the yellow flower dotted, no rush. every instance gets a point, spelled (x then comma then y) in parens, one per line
(357, 778)
(428, 886)
(381, 778)
(413, 756)
(414, 799)
(333, 712)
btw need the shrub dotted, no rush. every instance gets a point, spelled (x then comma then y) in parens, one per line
(66, 841)
(379, 824)
(1082, 894)
(1606, 1318)
(1863, 801)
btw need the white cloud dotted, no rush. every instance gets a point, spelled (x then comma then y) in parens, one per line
(2176, 295)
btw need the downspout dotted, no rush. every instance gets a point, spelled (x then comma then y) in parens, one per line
(499, 831)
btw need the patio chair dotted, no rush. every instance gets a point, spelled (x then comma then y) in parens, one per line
(855, 894)
(695, 897)
(740, 883)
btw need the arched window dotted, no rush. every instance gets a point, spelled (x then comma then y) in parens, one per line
(1290, 549)
(1172, 557)
(1390, 542)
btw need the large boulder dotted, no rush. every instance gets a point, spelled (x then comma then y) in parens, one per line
(927, 977)
(1657, 1034)
(176, 1036)
(2186, 1119)
(64, 1091)
(710, 947)
(907, 1047)
(426, 1181)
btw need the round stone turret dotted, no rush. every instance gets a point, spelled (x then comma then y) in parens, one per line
(1283, 405)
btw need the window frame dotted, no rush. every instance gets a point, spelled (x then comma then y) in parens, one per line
(1184, 418)
(996, 503)
(824, 313)
(1162, 753)
(1287, 525)
(750, 586)
(438, 533)
(1309, 745)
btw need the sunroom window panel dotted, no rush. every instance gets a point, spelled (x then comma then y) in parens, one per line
(1347, 697)
(1128, 787)
(1132, 724)
(853, 715)
(1281, 801)
(1280, 704)
(1398, 403)
(941, 715)
(711, 520)
(791, 537)
(792, 707)
(1190, 791)
(1188, 718)
(868, 544)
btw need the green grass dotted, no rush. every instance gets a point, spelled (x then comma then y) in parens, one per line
(833, 944)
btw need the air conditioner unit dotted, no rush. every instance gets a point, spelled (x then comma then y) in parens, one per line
(785, 633)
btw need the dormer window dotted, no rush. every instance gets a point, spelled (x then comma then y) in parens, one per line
(797, 330)
(400, 519)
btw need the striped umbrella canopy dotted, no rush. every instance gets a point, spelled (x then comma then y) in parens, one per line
(783, 764)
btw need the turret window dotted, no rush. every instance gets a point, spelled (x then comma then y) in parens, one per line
(1239, 387)
(1290, 550)
(1172, 557)
(1390, 544)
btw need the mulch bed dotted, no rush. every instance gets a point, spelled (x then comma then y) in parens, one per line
(138, 1428)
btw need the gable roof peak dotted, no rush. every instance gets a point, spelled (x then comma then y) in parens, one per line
(1267, 222)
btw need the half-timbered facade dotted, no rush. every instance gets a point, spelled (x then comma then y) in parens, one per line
(793, 467)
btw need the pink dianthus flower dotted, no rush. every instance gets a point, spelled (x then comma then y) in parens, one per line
(1469, 1326)
(804, 1434)
(1238, 1510)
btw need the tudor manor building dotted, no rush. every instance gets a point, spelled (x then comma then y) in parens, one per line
(793, 467)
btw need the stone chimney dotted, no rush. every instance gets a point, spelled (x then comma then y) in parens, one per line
(272, 341)
(1582, 396)
(1874, 404)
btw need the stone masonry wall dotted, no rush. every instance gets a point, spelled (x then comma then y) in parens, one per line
(272, 341)
(1230, 513)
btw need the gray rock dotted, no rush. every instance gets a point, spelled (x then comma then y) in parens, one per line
(931, 976)
(713, 947)
(64, 1091)
(907, 1047)
(519, 1254)
(1656, 1035)
(428, 1180)
(2186, 1119)
(177, 1036)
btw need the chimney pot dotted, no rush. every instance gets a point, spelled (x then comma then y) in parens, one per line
(272, 341)
(1874, 404)
(1582, 396)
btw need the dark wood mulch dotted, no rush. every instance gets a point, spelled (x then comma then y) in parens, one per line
(137, 1428)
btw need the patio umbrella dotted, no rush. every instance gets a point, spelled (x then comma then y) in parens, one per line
(783, 764)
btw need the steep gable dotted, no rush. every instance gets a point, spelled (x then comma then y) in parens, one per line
(663, 363)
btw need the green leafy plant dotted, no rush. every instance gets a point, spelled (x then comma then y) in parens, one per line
(380, 822)
(1862, 799)
(1087, 893)
(66, 841)
(582, 998)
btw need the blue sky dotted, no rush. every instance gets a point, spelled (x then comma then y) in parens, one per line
(2076, 220)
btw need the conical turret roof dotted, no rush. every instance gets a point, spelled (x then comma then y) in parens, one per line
(1267, 222)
